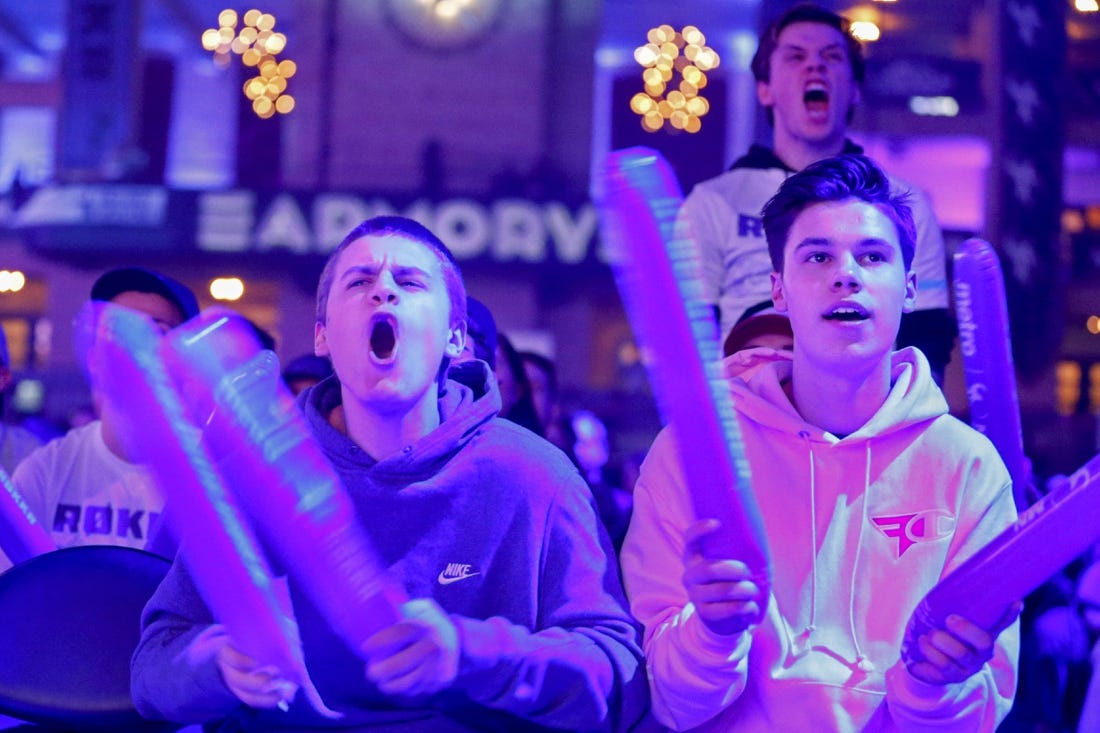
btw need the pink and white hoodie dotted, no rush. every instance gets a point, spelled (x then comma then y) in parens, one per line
(860, 528)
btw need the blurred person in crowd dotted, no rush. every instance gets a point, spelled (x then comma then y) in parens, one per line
(16, 442)
(481, 334)
(517, 619)
(82, 415)
(83, 487)
(809, 70)
(762, 335)
(1088, 605)
(587, 444)
(542, 374)
(516, 399)
(305, 371)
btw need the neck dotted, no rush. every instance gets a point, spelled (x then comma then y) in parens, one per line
(382, 431)
(839, 401)
(798, 153)
(111, 440)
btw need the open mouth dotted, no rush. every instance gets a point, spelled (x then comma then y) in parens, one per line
(383, 338)
(816, 99)
(847, 314)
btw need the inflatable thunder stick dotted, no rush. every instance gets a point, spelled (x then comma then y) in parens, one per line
(986, 348)
(22, 536)
(218, 548)
(285, 484)
(1050, 534)
(658, 273)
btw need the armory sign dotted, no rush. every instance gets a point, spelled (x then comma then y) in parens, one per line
(111, 218)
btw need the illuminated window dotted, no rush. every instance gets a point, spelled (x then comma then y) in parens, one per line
(1067, 387)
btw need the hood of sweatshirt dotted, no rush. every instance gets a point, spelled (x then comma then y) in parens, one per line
(468, 400)
(764, 158)
(913, 398)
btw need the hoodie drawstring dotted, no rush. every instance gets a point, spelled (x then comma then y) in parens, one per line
(801, 644)
(862, 662)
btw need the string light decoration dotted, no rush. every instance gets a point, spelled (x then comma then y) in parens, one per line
(669, 54)
(258, 46)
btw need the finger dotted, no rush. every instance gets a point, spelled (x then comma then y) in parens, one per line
(700, 571)
(729, 610)
(258, 689)
(969, 634)
(270, 698)
(696, 533)
(232, 657)
(950, 645)
(950, 667)
(716, 592)
(390, 640)
(926, 672)
(418, 661)
(412, 682)
(400, 663)
(1008, 618)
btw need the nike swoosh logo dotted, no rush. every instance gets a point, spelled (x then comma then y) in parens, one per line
(445, 579)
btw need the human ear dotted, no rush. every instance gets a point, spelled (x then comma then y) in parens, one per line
(456, 340)
(910, 302)
(779, 298)
(764, 94)
(320, 340)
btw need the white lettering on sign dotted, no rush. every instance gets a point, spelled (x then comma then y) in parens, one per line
(126, 206)
(518, 232)
(283, 227)
(507, 231)
(225, 221)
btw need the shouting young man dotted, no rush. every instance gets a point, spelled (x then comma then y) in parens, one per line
(517, 620)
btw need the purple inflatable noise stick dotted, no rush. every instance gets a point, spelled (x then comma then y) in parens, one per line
(658, 273)
(987, 358)
(1046, 538)
(217, 546)
(291, 493)
(22, 536)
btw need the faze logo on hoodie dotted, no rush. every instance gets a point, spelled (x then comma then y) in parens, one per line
(909, 529)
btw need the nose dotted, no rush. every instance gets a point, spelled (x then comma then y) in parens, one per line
(385, 289)
(847, 273)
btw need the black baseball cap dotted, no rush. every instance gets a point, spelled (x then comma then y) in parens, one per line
(140, 280)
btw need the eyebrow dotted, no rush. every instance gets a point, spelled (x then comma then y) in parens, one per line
(789, 46)
(373, 269)
(826, 242)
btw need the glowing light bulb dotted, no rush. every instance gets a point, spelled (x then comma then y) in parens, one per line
(226, 288)
(865, 31)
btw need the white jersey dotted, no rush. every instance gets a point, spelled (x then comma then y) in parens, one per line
(84, 494)
(724, 215)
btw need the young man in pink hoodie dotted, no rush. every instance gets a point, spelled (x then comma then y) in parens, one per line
(869, 491)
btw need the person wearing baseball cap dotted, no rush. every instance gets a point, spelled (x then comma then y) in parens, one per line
(83, 487)
(168, 302)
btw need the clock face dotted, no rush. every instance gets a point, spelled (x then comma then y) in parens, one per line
(444, 24)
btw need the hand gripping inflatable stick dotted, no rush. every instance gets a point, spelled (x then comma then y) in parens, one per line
(1047, 536)
(22, 536)
(266, 452)
(218, 547)
(657, 270)
(987, 358)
